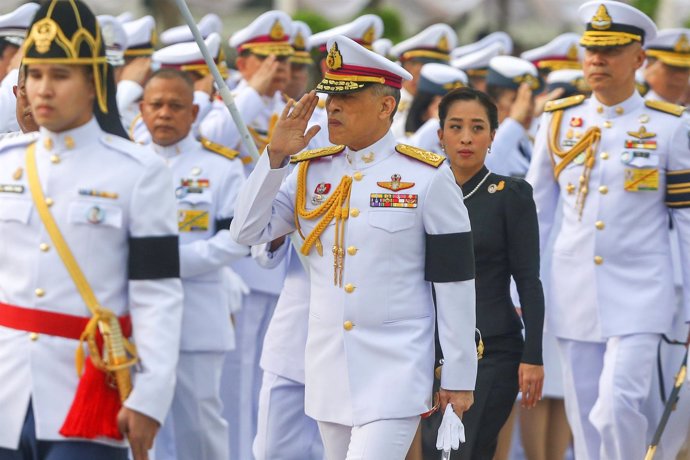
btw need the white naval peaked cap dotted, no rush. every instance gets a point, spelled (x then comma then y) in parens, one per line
(563, 52)
(180, 34)
(115, 39)
(476, 64)
(299, 38)
(511, 71)
(671, 46)
(495, 37)
(13, 26)
(611, 23)
(432, 44)
(382, 46)
(187, 56)
(125, 17)
(364, 30)
(268, 34)
(438, 79)
(352, 67)
(141, 36)
(571, 80)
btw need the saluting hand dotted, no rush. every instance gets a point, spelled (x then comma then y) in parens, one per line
(531, 382)
(263, 77)
(289, 135)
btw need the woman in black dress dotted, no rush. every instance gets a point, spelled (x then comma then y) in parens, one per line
(506, 243)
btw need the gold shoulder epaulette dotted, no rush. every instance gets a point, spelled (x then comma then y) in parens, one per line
(564, 103)
(317, 153)
(666, 107)
(221, 150)
(430, 158)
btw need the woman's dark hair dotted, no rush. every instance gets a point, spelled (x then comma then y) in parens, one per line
(418, 108)
(468, 94)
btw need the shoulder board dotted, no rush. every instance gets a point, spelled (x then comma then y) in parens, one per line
(430, 158)
(666, 107)
(138, 152)
(218, 149)
(564, 103)
(18, 139)
(317, 153)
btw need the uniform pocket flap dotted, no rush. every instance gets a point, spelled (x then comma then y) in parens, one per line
(393, 220)
(17, 210)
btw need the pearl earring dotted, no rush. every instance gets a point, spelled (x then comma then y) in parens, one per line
(488, 151)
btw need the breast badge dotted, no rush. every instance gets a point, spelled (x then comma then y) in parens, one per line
(395, 183)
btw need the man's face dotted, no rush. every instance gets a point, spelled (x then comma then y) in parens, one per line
(355, 118)
(168, 110)
(667, 81)
(6, 56)
(23, 110)
(299, 78)
(249, 64)
(611, 67)
(415, 68)
(505, 102)
(61, 96)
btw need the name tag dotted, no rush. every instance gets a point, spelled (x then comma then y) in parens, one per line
(192, 220)
(11, 188)
(393, 200)
(641, 180)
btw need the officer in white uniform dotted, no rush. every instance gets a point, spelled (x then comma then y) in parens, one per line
(13, 28)
(373, 255)
(111, 203)
(431, 45)
(619, 163)
(511, 150)
(115, 39)
(668, 65)
(206, 181)
(563, 52)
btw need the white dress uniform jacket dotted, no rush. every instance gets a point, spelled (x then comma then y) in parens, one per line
(370, 344)
(400, 117)
(206, 186)
(112, 202)
(511, 150)
(613, 264)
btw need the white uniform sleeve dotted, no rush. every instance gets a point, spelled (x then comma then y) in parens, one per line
(155, 291)
(268, 259)
(540, 177)
(450, 266)
(8, 103)
(128, 94)
(508, 137)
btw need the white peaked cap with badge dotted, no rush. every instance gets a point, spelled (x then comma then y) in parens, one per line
(563, 52)
(187, 56)
(179, 34)
(299, 39)
(382, 46)
(671, 46)
(141, 36)
(610, 23)
(115, 39)
(491, 39)
(432, 44)
(352, 67)
(438, 79)
(364, 30)
(511, 71)
(475, 64)
(13, 25)
(267, 34)
(571, 80)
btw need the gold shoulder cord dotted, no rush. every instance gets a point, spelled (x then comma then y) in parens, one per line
(336, 207)
(262, 141)
(115, 346)
(588, 143)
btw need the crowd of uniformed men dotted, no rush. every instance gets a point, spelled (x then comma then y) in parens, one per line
(267, 318)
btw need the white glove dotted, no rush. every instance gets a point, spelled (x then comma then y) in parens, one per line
(235, 287)
(451, 432)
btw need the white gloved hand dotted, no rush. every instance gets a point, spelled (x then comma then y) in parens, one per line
(451, 432)
(235, 287)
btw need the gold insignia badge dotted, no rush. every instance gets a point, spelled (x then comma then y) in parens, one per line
(572, 53)
(395, 184)
(334, 60)
(443, 44)
(530, 79)
(682, 45)
(493, 188)
(601, 20)
(642, 133)
(453, 85)
(368, 37)
(18, 174)
(368, 157)
(299, 41)
(277, 32)
(43, 33)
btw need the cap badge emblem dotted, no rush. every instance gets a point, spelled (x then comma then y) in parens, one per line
(682, 45)
(601, 20)
(43, 33)
(443, 44)
(572, 54)
(277, 31)
(368, 37)
(334, 60)
(530, 79)
(299, 41)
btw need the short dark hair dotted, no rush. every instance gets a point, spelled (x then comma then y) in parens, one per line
(379, 89)
(468, 94)
(172, 74)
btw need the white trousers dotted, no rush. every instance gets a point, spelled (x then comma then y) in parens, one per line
(242, 375)
(284, 431)
(195, 428)
(606, 385)
(378, 440)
